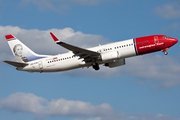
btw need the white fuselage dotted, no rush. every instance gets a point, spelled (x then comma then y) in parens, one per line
(68, 61)
(111, 55)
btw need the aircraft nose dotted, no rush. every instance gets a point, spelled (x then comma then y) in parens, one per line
(174, 40)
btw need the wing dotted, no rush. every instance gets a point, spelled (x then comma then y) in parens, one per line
(81, 52)
(16, 64)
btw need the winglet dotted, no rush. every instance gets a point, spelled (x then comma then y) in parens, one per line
(8, 37)
(54, 37)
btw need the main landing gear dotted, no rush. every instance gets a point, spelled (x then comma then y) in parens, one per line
(96, 66)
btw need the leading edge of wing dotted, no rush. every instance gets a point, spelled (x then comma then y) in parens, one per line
(76, 50)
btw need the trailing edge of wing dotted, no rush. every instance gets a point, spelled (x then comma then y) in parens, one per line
(76, 50)
(16, 64)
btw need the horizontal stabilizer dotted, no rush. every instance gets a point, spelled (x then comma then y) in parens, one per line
(16, 64)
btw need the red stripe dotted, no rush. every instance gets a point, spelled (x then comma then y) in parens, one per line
(54, 58)
(9, 37)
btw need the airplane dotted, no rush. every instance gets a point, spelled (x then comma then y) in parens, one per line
(111, 55)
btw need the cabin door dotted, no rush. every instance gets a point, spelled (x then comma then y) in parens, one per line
(156, 41)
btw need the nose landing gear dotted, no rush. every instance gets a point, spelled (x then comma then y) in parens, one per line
(165, 51)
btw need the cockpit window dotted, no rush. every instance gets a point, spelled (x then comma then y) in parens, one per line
(166, 37)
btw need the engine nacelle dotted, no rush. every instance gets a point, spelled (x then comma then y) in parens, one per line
(116, 63)
(110, 56)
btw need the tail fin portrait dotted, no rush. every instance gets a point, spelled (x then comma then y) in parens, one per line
(20, 51)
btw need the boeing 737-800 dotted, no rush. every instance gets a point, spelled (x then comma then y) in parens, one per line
(111, 55)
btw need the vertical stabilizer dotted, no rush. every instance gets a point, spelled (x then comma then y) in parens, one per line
(20, 51)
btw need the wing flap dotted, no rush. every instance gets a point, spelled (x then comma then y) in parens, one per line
(16, 64)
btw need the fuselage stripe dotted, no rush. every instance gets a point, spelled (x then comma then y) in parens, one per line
(135, 47)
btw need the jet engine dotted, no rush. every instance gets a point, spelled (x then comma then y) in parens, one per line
(115, 63)
(110, 56)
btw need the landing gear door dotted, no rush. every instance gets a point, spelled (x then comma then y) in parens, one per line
(40, 65)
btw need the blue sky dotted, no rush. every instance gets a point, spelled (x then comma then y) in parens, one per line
(146, 88)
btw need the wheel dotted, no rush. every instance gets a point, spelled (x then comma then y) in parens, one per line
(96, 66)
(165, 52)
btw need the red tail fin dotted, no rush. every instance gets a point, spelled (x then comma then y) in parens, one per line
(8, 37)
